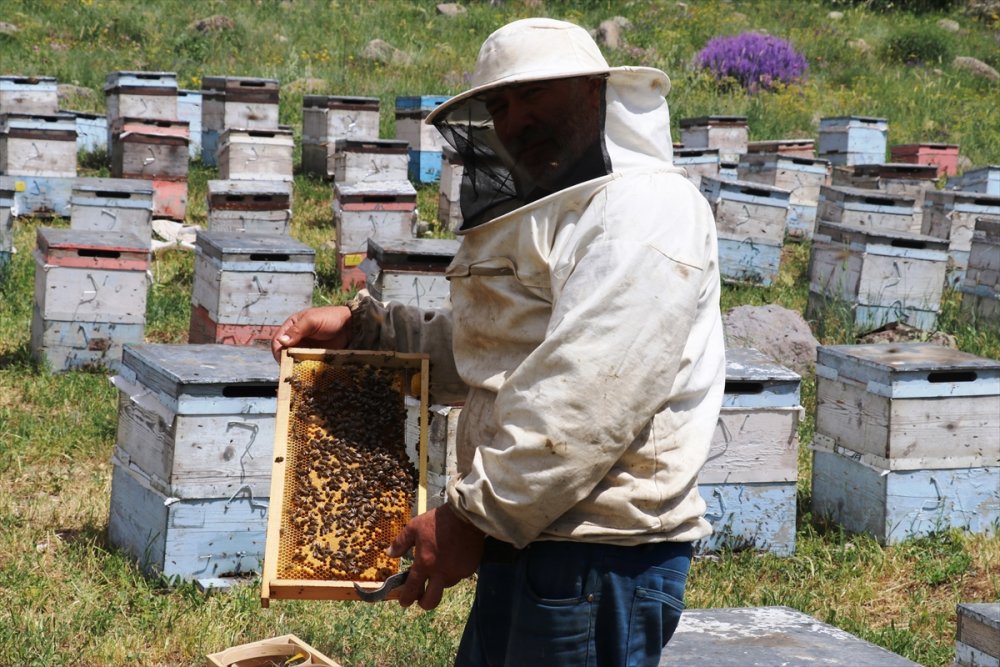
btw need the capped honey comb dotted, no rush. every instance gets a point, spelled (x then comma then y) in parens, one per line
(347, 486)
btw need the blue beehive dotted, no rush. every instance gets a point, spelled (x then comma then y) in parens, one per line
(189, 491)
(853, 139)
(426, 143)
(43, 196)
(749, 479)
(906, 439)
(28, 94)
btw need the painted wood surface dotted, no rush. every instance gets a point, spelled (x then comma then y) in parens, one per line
(112, 205)
(981, 179)
(727, 133)
(744, 260)
(754, 380)
(189, 111)
(753, 445)
(328, 118)
(441, 446)
(185, 538)
(72, 345)
(385, 212)
(193, 456)
(967, 656)
(766, 637)
(267, 294)
(895, 505)
(250, 222)
(792, 147)
(452, 169)
(952, 215)
(411, 128)
(91, 131)
(858, 135)
(979, 627)
(424, 166)
(170, 199)
(423, 290)
(28, 94)
(75, 294)
(149, 148)
(203, 329)
(239, 102)
(944, 157)
(370, 161)
(801, 176)
(43, 196)
(255, 154)
(758, 516)
(38, 145)
(869, 209)
(747, 210)
(697, 163)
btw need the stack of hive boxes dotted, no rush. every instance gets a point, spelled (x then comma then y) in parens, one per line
(90, 296)
(192, 462)
(147, 139)
(37, 145)
(325, 120)
(981, 287)
(240, 103)
(952, 215)
(905, 441)
(801, 175)
(849, 140)
(728, 134)
(943, 156)
(409, 271)
(425, 141)
(252, 207)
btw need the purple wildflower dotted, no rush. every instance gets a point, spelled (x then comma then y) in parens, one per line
(755, 60)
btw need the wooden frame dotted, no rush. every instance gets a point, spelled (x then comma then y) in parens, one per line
(416, 368)
(270, 652)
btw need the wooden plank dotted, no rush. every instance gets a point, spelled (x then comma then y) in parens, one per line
(90, 295)
(753, 445)
(979, 626)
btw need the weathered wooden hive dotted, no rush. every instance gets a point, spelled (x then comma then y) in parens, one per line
(952, 215)
(801, 176)
(981, 287)
(156, 150)
(342, 484)
(981, 179)
(895, 178)
(28, 94)
(750, 219)
(235, 102)
(790, 147)
(113, 205)
(410, 272)
(384, 211)
(944, 157)
(256, 154)
(246, 285)
(131, 94)
(852, 139)
(977, 637)
(425, 140)
(727, 133)
(36, 145)
(91, 131)
(905, 442)
(192, 462)
(370, 161)
(878, 276)
(254, 207)
(42, 196)
(868, 209)
(90, 296)
(325, 119)
(698, 162)
(749, 479)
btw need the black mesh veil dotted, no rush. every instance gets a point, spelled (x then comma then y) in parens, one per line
(488, 188)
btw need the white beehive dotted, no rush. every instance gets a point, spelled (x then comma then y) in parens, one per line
(34, 145)
(981, 287)
(870, 209)
(952, 214)
(113, 205)
(845, 140)
(149, 148)
(410, 272)
(256, 154)
(325, 119)
(189, 111)
(801, 176)
(255, 207)
(981, 179)
(727, 133)
(450, 189)
(235, 102)
(384, 211)
(697, 163)
(370, 161)
(32, 95)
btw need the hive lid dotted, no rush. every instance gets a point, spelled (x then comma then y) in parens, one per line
(401, 189)
(713, 120)
(839, 233)
(125, 185)
(340, 102)
(200, 369)
(869, 195)
(221, 188)
(751, 365)
(55, 239)
(260, 247)
(413, 253)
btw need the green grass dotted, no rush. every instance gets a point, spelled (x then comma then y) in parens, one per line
(68, 598)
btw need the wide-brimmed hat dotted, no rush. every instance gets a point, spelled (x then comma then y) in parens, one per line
(538, 49)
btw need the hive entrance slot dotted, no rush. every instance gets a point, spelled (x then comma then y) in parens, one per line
(744, 387)
(951, 376)
(94, 252)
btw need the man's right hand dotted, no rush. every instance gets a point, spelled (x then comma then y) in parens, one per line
(327, 327)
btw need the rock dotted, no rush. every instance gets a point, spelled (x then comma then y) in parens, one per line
(949, 25)
(450, 9)
(835, 16)
(860, 45)
(976, 66)
(899, 332)
(381, 51)
(780, 333)
(306, 86)
(622, 22)
(7, 28)
(67, 92)
(215, 23)
(609, 34)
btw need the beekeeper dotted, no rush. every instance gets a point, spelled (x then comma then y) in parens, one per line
(585, 340)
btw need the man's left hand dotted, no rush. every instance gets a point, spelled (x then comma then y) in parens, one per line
(446, 549)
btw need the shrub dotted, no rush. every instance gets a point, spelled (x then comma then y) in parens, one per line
(755, 60)
(918, 46)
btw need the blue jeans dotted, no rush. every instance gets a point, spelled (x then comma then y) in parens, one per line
(573, 604)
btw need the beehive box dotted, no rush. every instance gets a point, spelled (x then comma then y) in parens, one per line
(273, 652)
(251, 279)
(91, 131)
(846, 140)
(384, 211)
(256, 154)
(450, 189)
(131, 94)
(951, 215)
(149, 148)
(170, 198)
(442, 430)
(905, 440)
(749, 479)
(913, 180)
(801, 176)
(43, 196)
(254, 207)
(349, 269)
(727, 133)
(769, 636)
(747, 260)
(944, 157)
(189, 111)
(90, 296)
(697, 162)
(982, 179)
(981, 287)
(881, 277)
(868, 209)
(21, 94)
(325, 119)
(113, 205)
(748, 210)
(370, 161)
(791, 147)
(342, 485)
(203, 329)
(34, 145)
(235, 102)
(6, 220)
(410, 272)
(425, 141)
(977, 637)
(198, 420)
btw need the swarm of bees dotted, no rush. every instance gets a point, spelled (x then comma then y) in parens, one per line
(349, 483)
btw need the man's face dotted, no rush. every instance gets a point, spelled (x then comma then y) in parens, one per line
(546, 125)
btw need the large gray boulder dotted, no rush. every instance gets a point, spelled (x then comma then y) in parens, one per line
(780, 333)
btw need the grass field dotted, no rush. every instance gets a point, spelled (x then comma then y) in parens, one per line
(69, 598)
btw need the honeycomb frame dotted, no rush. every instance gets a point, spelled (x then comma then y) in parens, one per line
(342, 484)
